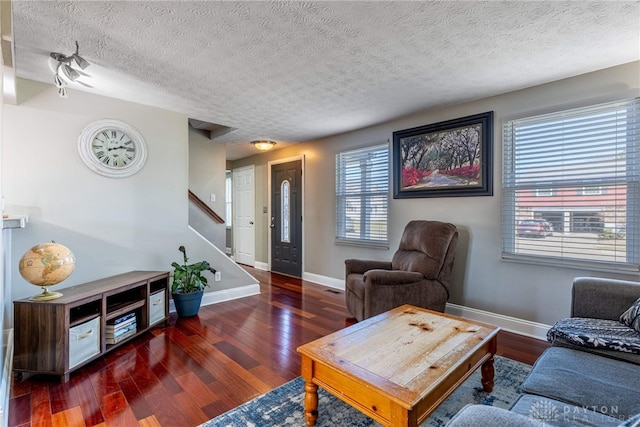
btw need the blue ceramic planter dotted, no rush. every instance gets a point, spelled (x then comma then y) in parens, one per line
(187, 305)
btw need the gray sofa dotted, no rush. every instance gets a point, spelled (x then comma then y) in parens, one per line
(581, 380)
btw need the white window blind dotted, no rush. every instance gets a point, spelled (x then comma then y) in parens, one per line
(571, 187)
(362, 196)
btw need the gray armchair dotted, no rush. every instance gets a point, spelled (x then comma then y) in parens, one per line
(418, 274)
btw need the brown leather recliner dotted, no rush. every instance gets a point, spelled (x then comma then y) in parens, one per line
(418, 274)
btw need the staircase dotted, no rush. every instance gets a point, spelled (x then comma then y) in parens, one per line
(209, 229)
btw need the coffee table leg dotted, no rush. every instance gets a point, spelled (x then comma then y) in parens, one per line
(487, 375)
(311, 403)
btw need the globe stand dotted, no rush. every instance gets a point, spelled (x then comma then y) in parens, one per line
(46, 295)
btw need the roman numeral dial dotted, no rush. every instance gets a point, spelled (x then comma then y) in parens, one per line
(112, 148)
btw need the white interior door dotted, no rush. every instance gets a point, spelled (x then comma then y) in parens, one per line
(244, 240)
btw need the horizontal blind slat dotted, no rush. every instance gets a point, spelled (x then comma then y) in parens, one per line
(362, 189)
(570, 184)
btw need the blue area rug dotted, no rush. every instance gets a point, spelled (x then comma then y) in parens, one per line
(284, 406)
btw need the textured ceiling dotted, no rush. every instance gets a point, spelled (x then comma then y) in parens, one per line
(297, 71)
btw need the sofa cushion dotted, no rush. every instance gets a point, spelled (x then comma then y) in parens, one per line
(585, 380)
(555, 413)
(631, 317)
(483, 415)
(596, 333)
(425, 247)
(614, 354)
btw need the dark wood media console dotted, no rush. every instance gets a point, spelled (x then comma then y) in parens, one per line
(58, 336)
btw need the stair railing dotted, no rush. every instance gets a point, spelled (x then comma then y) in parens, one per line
(205, 208)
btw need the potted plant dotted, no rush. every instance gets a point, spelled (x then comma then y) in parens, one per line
(188, 284)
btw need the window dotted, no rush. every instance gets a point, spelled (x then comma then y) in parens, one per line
(590, 191)
(586, 162)
(227, 198)
(284, 214)
(544, 192)
(362, 196)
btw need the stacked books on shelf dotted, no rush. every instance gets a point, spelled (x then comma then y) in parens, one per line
(121, 328)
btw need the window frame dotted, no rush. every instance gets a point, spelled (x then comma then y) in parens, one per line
(285, 211)
(544, 192)
(228, 199)
(587, 191)
(518, 180)
(374, 178)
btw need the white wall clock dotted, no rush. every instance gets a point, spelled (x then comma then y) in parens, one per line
(112, 148)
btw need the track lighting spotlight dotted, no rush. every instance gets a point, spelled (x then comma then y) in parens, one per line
(66, 70)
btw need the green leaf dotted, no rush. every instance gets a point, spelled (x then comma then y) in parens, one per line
(188, 278)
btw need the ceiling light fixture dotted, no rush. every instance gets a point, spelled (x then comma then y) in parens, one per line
(64, 69)
(263, 145)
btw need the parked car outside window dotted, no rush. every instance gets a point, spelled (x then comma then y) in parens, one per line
(534, 228)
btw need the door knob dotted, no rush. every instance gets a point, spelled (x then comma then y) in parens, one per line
(272, 225)
(250, 222)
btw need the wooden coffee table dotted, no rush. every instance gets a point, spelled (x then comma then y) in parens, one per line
(397, 367)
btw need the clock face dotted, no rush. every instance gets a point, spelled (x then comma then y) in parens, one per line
(112, 148)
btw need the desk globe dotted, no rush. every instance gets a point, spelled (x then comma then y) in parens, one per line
(47, 264)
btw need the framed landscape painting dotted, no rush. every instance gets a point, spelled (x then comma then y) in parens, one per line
(445, 159)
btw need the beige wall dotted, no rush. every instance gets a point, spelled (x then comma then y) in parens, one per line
(207, 164)
(481, 279)
(111, 225)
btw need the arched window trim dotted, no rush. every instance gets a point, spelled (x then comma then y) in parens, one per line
(285, 211)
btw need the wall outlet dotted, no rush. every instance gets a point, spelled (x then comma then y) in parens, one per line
(212, 197)
(218, 276)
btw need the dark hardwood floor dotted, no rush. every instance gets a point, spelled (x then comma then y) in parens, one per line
(194, 369)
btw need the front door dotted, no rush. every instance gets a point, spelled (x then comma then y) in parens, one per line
(243, 220)
(286, 218)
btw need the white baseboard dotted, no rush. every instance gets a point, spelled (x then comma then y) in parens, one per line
(324, 280)
(224, 295)
(261, 266)
(508, 323)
